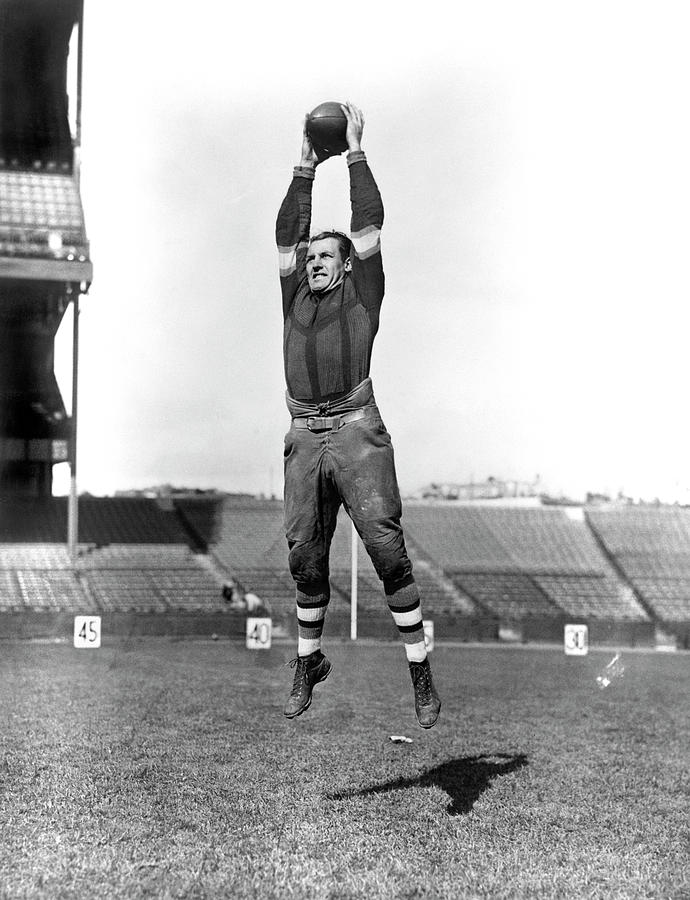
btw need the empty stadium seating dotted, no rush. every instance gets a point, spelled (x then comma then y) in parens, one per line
(117, 577)
(190, 589)
(149, 577)
(370, 596)
(128, 520)
(545, 539)
(455, 536)
(124, 591)
(489, 538)
(669, 598)
(591, 596)
(201, 516)
(11, 597)
(55, 591)
(38, 576)
(136, 556)
(273, 586)
(520, 561)
(651, 548)
(34, 556)
(658, 531)
(440, 596)
(506, 563)
(510, 596)
(250, 535)
(102, 520)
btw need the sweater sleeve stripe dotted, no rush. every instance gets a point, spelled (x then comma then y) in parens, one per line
(367, 241)
(287, 258)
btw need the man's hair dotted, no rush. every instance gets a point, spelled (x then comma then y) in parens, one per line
(344, 242)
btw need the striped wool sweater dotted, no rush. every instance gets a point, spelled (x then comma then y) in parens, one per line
(328, 337)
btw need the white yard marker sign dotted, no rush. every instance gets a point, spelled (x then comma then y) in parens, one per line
(576, 640)
(87, 632)
(258, 633)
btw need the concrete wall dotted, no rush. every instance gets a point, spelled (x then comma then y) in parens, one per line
(231, 624)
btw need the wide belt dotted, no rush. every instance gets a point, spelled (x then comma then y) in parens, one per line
(328, 423)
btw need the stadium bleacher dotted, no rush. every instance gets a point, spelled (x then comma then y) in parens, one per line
(657, 530)
(38, 576)
(34, 556)
(441, 595)
(124, 591)
(136, 556)
(133, 556)
(250, 535)
(52, 590)
(518, 562)
(201, 517)
(591, 596)
(668, 597)
(510, 596)
(102, 520)
(485, 538)
(506, 564)
(545, 539)
(650, 546)
(456, 535)
(153, 577)
(11, 598)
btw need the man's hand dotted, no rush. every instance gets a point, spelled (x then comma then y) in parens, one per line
(309, 158)
(355, 126)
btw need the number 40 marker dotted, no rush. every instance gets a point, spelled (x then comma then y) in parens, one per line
(258, 633)
(87, 631)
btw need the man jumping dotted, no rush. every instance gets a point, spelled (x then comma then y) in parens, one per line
(337, 450)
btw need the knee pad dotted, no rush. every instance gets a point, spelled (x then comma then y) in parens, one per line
(392, 587)
(307, 564)
(392, 566)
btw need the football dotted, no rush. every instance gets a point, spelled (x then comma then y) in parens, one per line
(326, 127)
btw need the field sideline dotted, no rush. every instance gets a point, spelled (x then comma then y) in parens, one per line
(155, 768)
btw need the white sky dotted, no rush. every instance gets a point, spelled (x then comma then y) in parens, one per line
(533, 162)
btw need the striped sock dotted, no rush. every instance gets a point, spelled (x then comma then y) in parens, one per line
(312, 602)
(405, 606)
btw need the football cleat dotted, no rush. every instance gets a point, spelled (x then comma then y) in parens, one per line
(309, 671)
(427, 704)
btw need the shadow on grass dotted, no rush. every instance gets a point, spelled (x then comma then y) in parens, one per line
(464, 779)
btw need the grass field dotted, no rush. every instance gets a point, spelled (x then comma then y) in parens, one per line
(154, 768)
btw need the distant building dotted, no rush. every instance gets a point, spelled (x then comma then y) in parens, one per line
(491, 489)
(157, 492)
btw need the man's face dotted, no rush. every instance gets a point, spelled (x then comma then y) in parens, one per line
(325, 265)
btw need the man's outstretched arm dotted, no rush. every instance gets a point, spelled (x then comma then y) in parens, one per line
(293, 223)
(367, 215)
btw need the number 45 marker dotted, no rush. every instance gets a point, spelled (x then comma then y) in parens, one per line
(87, 631)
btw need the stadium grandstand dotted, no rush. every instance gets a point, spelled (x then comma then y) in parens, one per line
(485, 570)
(650, 549)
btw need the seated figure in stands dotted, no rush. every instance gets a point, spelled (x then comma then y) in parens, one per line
(338, 451)
(230, 592)
(255, 604)
(235, 595)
